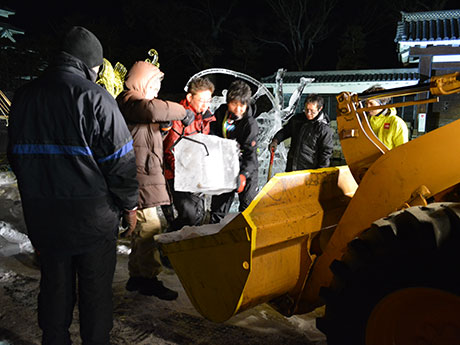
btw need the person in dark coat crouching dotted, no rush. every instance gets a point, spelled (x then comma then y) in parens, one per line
(73, 157)
(311, 137)
(235, 120)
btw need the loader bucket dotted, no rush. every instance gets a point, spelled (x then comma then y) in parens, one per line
(264, 252)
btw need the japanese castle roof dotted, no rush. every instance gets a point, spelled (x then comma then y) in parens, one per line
(432, 26)
(424, 29)
(347, 80)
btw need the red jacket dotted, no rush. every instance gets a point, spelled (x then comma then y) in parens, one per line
(201, 124)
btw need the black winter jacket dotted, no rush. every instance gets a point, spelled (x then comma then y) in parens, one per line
(72, 155)
(311, 142)
(245, 133)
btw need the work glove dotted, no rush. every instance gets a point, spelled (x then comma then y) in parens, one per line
(128, 222)
(273, 145)
(189, 117)
(165, 126)
(240, 183)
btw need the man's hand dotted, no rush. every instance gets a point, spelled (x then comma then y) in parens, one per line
(273, 145)
(129, 221)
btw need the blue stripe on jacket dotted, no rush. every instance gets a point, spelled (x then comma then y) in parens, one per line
(29, 149)
(118, 154)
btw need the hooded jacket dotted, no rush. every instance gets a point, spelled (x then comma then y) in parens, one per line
(201, 124)
(311, 142)
(143, 117)
(389, 128)
(72, 155)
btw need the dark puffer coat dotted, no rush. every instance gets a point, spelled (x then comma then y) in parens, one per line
(311, 142)
(72, 154)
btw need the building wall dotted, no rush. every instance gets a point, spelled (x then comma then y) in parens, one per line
(446, 110)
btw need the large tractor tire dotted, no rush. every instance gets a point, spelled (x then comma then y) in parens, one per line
(398, 282)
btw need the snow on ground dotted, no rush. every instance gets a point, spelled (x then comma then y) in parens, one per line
(138, 319)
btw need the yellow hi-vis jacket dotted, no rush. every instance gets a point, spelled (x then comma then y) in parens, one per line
(389, 128)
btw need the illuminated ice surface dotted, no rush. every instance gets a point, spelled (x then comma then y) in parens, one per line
(206, 164)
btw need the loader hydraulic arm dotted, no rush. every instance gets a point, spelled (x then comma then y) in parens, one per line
(360, 146)
(445, 84)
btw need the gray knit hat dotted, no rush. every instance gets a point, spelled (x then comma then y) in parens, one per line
(84, 45)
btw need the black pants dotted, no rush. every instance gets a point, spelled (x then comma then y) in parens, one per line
(91, 274)
(190, 210)
(168, 212)
(189, 206)
(221, 204)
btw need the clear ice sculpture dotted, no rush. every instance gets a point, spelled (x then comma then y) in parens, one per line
(206, 164)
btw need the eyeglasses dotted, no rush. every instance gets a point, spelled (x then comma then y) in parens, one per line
(202, 101)
(311, 111)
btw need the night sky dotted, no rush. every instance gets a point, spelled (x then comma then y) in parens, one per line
(129, 30)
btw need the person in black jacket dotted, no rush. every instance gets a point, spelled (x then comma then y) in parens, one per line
(311, 143)
(73, 157)
(235, 120)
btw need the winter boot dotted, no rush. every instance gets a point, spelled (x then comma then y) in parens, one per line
(165, 260)
(154, 287)
(134, 283)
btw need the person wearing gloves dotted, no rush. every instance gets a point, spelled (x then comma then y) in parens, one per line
(311, 137)
(73, 157)
(387, 126)
(190, 206)
(146, 116)
(235, 121)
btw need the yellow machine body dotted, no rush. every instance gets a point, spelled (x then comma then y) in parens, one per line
(266, 251)
(280, 248)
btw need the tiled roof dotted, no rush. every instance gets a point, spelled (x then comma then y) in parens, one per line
(349, 76)
(429, 26)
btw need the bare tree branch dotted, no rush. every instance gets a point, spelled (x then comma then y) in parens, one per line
(303, 24)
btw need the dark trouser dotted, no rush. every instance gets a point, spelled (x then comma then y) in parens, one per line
(190, 210)
(220, 204)
(57, 297)
(168, 212)
(189, 206)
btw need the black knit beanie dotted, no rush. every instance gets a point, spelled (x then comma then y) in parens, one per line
(84, 45)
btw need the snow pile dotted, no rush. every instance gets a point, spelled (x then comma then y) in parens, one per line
(123, 250)
(13, 242)
(7, 178)
(188, 232)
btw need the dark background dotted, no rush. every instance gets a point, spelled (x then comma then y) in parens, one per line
(254, 37)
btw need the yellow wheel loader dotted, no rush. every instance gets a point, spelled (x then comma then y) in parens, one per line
(376, 241)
